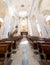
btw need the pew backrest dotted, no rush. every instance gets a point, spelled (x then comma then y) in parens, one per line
(46, 48)
(3, 48)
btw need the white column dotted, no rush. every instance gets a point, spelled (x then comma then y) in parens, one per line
(7, 26)
(29, 28)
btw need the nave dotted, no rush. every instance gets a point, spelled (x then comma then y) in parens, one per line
(25, 55)
(29, 18)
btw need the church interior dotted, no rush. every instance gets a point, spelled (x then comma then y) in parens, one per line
(24, 32)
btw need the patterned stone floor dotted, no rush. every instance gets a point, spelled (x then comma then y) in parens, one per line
(24, 55)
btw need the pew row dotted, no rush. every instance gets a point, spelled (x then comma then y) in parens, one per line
(34, 39)
(44, 52)
(15, 40)
(43, 47)
(9, 44)
(4, 51)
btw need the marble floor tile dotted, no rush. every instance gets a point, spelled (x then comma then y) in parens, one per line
(24, 55)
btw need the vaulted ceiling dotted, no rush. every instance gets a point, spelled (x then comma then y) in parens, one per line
(16, 10)
(45, 6)
(23, 5)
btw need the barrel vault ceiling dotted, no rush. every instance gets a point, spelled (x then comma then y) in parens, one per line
(24, 5)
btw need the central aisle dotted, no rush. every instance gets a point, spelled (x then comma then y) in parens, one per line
(24, 54)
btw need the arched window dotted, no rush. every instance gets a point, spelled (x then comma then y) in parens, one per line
(1, 22)
(48, 20)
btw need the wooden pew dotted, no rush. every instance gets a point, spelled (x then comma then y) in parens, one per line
(16, 40)
(42, 40)
(34, 40)
(10, 44)
(6, 40)
(13, 39)
(43, 45)
(47, 39)
(3, 53)
(38, 38)
(46, 53)
(39, 45)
